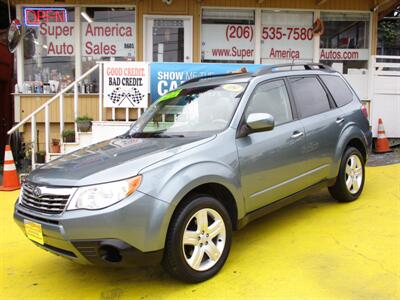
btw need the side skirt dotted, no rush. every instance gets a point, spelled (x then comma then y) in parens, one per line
(260, 212)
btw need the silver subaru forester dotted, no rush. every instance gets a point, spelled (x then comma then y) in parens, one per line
(202, 161)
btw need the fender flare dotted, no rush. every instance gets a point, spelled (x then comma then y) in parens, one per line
(349, 133)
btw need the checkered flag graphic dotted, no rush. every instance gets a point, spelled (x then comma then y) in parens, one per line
(116, 96)
(133, 95)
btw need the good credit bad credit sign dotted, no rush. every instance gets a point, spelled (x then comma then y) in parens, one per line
(126, 84)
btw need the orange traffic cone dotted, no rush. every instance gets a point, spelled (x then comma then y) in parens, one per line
(10, 176)
(382, 142)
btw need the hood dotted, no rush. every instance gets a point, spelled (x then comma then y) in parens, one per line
(110, 160)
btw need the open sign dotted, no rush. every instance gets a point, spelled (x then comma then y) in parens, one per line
(34, 16)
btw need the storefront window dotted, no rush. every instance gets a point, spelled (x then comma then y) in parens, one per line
(345, 41)
(286, 37)
(107, 34)
(49, 62)
(227, 36)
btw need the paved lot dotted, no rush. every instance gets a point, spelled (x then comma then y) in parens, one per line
(314, 249)
(383, 159)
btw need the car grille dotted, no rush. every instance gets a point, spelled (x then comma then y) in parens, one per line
(45, 199)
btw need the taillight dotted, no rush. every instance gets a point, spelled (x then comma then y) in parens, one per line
(364, 111)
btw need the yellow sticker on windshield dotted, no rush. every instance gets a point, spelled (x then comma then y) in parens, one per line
(169, 95)
(233, 87)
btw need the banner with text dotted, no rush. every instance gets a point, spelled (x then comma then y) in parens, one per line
(126, 84)
(343, 54)
(230, 42)
(108, 39)
(167, 76)
(56, 39)
(286, 36)
(100, 39)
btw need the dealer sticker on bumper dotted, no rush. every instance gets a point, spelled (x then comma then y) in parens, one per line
(34, 231)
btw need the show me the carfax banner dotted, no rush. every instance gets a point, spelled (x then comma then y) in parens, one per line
(126, 84)
(166, 77)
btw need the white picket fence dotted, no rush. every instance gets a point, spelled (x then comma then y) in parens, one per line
(384, 92)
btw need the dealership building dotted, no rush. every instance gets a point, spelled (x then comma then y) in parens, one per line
(65, 40)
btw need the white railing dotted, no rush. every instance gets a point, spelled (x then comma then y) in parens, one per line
(60, 97)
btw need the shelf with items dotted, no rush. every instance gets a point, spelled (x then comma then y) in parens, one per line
(52, 94)
(52, 87)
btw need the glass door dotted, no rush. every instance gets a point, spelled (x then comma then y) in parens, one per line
(168, 39)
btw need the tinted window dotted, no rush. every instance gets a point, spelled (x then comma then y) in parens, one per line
(272, 98)
(309, 95)
(338, 89)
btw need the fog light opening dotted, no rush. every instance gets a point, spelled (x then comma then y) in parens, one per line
(110, 254)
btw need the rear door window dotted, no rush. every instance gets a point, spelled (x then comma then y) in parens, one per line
(338, 89)
(309, 95)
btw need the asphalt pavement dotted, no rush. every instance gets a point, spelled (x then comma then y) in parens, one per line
(314, 249)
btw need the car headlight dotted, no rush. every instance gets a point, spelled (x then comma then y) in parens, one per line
(103, 195)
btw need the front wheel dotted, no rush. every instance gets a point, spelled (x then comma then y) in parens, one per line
(350, 181)
(198, 240)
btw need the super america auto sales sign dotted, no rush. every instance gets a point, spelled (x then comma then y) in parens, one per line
(97, 40)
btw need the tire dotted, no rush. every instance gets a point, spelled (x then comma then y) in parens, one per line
(350, 181)
(180, 254)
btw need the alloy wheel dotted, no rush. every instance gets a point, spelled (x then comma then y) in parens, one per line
(204, 239)
(353, 174)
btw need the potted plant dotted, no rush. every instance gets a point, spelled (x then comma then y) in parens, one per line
(55, 146)
(84, 123)
(40, 157)
(68, 136)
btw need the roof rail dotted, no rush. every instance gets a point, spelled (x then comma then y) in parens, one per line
(309, 66)
(210, 76)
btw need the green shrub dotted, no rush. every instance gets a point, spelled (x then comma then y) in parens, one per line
(83, 119)
(68, 133)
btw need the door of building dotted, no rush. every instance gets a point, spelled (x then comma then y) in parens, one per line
(168, 38)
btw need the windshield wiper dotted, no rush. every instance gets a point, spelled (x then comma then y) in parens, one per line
(149, 135)
(161, 135)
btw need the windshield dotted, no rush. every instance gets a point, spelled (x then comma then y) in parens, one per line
(190, 112)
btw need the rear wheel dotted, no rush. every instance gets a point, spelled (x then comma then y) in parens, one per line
(350, 181)
(198, 240)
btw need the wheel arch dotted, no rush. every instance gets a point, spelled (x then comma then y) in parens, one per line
(352, 137)
(359, 145)
(220, 193)
(214, 189)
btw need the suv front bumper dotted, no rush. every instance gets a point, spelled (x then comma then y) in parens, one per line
(130, 232)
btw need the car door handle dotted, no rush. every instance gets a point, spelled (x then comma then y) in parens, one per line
(297, 134)
(339, 120)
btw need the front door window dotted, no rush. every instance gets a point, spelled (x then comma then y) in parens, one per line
(168, 41)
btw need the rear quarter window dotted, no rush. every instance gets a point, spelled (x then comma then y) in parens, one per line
(338, 89)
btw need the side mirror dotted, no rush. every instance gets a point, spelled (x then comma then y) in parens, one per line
(257, 122)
